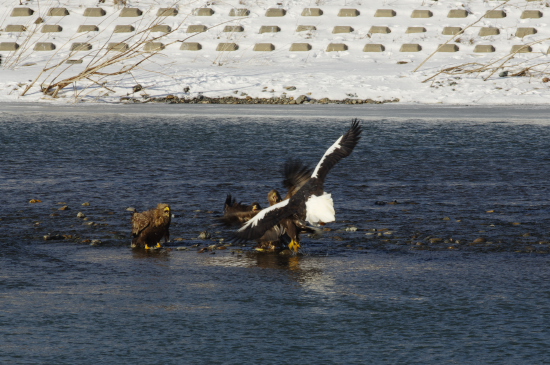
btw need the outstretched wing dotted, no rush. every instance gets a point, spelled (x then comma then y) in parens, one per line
(231, 205)
(296, 175)
(340, 149)
(237, 213)
(263, 221)
(237, 217)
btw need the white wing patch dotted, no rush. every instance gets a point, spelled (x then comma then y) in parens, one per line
(328, 152)
(254, 221)
(320, 209)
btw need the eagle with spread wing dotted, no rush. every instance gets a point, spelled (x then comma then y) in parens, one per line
(238, 213)
(149, 227)
(309, 202)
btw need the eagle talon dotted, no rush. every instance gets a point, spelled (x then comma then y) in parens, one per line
(294, 246)
(158, 245)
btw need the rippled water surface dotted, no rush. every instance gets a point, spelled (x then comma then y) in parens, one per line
(397, 279)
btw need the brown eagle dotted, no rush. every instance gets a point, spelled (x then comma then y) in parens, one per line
(149, 227)
(237, 213)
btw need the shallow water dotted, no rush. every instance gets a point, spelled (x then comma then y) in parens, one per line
(385, 293)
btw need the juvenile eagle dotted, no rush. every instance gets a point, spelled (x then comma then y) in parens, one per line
(149, 227)
(238, 213)
(310, 203)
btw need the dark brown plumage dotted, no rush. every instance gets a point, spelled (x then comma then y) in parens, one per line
(237, 213)
(296, 174)
(149, 227)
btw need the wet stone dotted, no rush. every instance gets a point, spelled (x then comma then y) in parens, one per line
(204, 235)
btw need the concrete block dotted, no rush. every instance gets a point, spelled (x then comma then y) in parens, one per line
(76, 47)
(94, 12)
(451, 30)
(130, 13)
(348, 12)
(523, 32)
(124, 29)
(269, 29)
(531, 14)
(161, 28)
(300, 47)
(153, 46)
(484, 48)
(227, 47)
(22, 12)
(58, 12)
(44, 46)
(312, 12)
(203, 12)
(118, 47)
(521, 48)
(15, 28)
(167, 12)
(415, 30)
(337, 47)
(488, 31)
(379, 29)
(342, 29)
(447, 48)
(274, 12)
(190, 46)
(374, 48)
(51, 28)
(457, 13)
(385, 13)
(239, 12)
(87, 28)
(196, 29)
(495, 14)
(421, 14)
(410, 47)
(264, 47)
(233, 28)
(8, 46)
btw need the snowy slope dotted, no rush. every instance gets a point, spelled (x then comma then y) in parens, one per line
(316, 73)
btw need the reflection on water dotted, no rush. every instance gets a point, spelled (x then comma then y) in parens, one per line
(432, 307)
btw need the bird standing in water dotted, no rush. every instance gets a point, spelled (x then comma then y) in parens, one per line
(149, 227)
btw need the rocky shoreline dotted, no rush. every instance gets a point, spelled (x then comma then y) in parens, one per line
(283, 100)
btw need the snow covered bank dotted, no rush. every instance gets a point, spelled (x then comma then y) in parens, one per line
(374, 61)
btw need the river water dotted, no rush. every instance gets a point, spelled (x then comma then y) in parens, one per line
(439, 253)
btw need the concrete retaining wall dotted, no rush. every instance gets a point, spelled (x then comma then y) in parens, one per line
(269, 26)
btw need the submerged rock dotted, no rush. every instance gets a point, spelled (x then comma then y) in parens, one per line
(204, 235)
